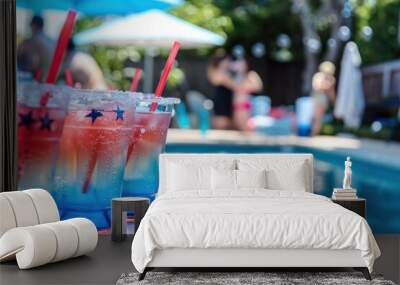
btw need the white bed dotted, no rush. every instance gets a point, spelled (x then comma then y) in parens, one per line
(247, 210)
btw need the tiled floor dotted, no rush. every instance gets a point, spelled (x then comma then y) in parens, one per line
(110, 260)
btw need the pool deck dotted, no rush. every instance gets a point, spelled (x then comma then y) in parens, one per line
(381, 152)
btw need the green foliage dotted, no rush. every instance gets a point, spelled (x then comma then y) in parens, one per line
(383, 17)
(364, 132)
(206, 14)
(334, 129)
(251, 21)
(85, 23)
(175, 78)
(247, 22)
(264, 21)
(112, 60)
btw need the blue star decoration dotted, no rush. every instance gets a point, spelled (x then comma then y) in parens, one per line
(26, 120)
(94, 114)
(46, 122)
(120, 113)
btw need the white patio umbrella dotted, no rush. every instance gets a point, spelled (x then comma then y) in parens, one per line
(151, 30)
(350, 98)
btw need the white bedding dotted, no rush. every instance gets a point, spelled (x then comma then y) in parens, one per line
(253, 218)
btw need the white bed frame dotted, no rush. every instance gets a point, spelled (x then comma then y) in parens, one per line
(251, 258)
(234, 257)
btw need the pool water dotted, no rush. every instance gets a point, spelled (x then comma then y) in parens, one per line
(379, 184)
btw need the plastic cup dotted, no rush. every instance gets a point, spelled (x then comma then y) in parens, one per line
(304, 114)
(93, 153)
(39, 132)
(147, 142)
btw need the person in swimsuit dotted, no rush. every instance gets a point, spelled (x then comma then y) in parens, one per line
(323, 94)
(234, 83)
(248, 82)
(218, 75)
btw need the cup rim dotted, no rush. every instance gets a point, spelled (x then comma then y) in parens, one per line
(138, 96)
(150, 97)
(58, 97)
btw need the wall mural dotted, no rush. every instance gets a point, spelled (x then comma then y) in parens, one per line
(86, 147)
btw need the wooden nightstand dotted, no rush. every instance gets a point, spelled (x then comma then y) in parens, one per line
(358, 205)
(120, 208)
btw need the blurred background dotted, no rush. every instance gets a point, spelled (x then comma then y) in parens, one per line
(265, 53)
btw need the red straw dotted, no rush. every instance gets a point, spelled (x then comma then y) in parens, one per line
(38, 75)
(89, 173)
(93, 158)
(135, 80)
(59, 52)
(164, 76)
(68, 77)
(61, 47)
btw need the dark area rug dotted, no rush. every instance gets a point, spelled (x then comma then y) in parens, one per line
(229, 278)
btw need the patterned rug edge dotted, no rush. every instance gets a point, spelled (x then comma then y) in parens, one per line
(268, 278)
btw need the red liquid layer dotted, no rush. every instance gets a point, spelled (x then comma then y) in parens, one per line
(147, 142)
(91, 164)
(149, 133)
(39, 132)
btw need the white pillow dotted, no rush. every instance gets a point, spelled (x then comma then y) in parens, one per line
(185, 175)
(224, 179)
(251, 178)
(287, 174)
(182, 177)
(281, 180)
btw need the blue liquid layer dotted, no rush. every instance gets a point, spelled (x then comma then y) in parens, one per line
(141, 188)
(142, 181)
(95, 203)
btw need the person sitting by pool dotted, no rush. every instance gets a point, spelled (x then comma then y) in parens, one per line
(323, 94)
(86, 73)
(233, 83)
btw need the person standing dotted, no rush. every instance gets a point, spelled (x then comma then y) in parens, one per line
(248, 82)
(218, 75)
(323, 94)
(234, 83)
(35, 53)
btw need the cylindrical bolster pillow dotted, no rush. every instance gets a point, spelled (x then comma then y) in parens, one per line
(41, 244)
(23, 208)
(7, 218)
(87, 235)
(26, 208)
(33, 246)
(67, 240)
(45, 205)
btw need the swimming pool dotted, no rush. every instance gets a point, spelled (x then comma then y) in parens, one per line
(379, 184)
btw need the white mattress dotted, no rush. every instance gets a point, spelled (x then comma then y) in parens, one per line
(253, 219)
